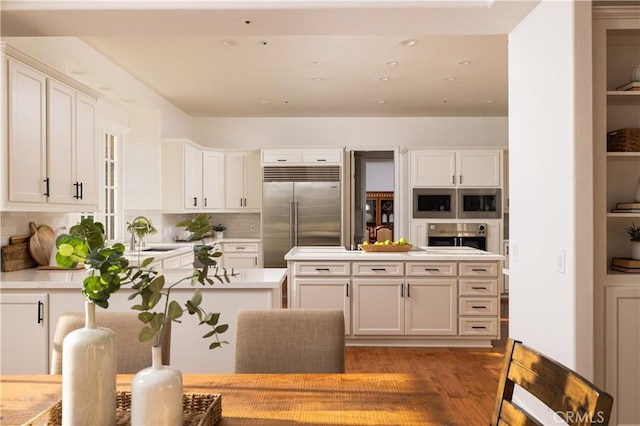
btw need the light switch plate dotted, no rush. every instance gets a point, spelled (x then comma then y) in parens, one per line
(513, 251)
(561, 258)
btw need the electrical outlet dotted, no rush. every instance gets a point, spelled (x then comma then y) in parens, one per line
(253, 228)
(561, 258)
(513, 251)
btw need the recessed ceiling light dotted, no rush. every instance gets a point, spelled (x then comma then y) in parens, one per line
(263, 102)
(381, 101)
(383, 78)
(488, 101)
(408, 42)
(391, 63)
(449, 78)
(464, 63)
(228, 43)
(317, 79)
(316, 63)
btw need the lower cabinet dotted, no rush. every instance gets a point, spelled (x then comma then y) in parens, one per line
(327, 293)
(240, 255)
(24, 331)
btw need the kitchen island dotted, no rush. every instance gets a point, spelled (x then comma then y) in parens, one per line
(429, 296)
(31, 301)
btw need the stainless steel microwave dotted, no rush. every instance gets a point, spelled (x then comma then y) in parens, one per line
(434, 203)
(480, 203)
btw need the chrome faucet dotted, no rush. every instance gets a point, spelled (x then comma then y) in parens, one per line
(132, 229)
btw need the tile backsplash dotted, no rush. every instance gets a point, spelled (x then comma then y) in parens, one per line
(17, 223)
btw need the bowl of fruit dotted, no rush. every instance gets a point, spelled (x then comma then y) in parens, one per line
(400, 245)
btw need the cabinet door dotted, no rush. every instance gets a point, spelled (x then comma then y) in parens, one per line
(25, 348)
(431, 307)
(192, 178)
(252, 182)
(27, 134)
(478, 168)
(325, 293)
(240, 260)
(234, 181)
(378, 306)
(86, 166)
(61, 102)
(212, 180)
(433, 168)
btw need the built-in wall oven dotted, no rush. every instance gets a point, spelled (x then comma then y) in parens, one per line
(429, 203)
(457, 235)
(480, 203)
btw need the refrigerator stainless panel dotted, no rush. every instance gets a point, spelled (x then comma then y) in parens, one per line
(319, 209)
(276, 206)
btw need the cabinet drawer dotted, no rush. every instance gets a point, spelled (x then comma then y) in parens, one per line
(328, 157)
(471, 287)
(375, 269)
(417, 269)
(172, 263)
(240, 248)
(281, 156)
(187, 259)
(478, 326)
(322, 268)
(478, 269)
(478, 306)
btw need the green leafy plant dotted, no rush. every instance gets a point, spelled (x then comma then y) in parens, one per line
(199, 227)
(109, 269)
(219, 227)
(634, 232)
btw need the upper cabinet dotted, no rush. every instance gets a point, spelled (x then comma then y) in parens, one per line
(50, 147)
(301, 156)
(438, 169)
(192, 177)
(243, 181)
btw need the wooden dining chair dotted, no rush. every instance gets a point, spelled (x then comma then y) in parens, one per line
(384, 233)
(132, 355)
(290, 341)
(567, 394)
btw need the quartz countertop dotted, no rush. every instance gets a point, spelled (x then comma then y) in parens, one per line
(416, 254)
(72, 279)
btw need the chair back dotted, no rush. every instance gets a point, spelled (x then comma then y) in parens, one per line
(290, 341)
(132, 355)
(384, 233)
(567, 394)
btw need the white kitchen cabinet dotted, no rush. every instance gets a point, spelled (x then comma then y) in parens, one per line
(51, 141)
(192, 177)
(437, 169)
(243, 182)
(240, 255)
(325, 293)
(430, 306)
(24, 326)
(378, 307)
(71, 159)
(301, 156)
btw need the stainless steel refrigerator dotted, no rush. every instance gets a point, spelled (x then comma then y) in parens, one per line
(301, 206)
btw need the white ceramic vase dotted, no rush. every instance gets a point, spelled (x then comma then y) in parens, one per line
(636, 198)
(635, 250)
(156, 394)
(219, 235)
(89, 374)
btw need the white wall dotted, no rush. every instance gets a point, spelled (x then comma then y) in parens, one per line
(254, 133)
(379, 175)
(550, 182)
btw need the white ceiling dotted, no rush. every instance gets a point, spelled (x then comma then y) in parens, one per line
(260, 58)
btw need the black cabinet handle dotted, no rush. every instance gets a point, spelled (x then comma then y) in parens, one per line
(81, 191)
(378, 269)
(482, 327)
(402, 290)
(240, 248)
(46, 187)
(432, 269)
(195, 201)
(40, 312)
(321, 159)
(478, 307)
(479, 269)
(479, 288)
(77, 186)
(323, 269)
(347, 286)
(408, 290)
(205, 202)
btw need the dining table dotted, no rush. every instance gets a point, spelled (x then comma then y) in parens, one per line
(268, 399)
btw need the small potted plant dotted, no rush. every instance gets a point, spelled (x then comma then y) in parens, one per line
(219, 230)
(634, 236)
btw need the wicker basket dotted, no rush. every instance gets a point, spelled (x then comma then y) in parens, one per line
(199, 410)
(385, 248)
(624, 140)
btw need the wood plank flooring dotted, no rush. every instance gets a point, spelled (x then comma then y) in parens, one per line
(467, 377)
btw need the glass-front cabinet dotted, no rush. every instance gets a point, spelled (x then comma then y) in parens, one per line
(379, 211)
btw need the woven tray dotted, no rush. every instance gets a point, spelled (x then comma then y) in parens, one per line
(383, 248)
(199, 410)
(624, 140)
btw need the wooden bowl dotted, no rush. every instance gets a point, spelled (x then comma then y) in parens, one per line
(385, 248)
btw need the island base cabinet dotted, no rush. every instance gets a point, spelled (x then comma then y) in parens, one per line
(379, 307)
(330, 293)
(23, 326)
(431, 307)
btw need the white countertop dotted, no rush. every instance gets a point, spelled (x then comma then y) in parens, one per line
(65, 279)
(423, 253)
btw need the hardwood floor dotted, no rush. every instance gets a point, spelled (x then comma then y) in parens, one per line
(467, 377)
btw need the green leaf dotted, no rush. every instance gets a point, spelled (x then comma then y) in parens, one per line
(146, 334)
(222, 328)
(175, 310)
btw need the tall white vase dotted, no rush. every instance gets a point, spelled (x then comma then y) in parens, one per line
(156, 394)
(89, 374)
(635, 250)
(636, 197)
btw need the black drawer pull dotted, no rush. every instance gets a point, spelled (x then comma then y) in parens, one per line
(40, 312)
(482, 327)
(479, 269)
(432, 269)
(478, 307)
(479, 288)
(378, 269)
(347, 285)
(240, 248)
(323, 269)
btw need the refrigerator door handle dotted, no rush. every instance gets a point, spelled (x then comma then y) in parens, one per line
(292, 230)
(294, 220)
